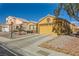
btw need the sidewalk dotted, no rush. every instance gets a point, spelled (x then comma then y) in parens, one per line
(3, 39)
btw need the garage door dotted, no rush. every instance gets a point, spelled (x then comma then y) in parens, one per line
(45, 29)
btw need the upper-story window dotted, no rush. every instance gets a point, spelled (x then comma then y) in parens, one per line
(14, 18)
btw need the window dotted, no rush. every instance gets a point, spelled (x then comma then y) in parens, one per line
(29, 26)
(14, 18)
(33, 27)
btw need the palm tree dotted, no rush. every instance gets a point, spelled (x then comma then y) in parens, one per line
(72, 10)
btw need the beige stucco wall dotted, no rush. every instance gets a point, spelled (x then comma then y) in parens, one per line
(31, 25)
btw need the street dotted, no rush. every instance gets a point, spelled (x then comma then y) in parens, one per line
(17, 45)
(7, 52)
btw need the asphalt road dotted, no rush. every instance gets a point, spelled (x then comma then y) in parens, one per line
(7, 52)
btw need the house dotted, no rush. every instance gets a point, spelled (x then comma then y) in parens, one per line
(16, 22)
(51, 24)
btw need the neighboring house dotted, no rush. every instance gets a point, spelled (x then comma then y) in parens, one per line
(5, 28)
(26, 25)
(51, 24)
(16, 22)
(77, 29)
(32, 26)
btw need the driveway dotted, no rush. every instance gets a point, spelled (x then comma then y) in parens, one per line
(17, 45)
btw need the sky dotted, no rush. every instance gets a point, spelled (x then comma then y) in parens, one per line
(30, 11)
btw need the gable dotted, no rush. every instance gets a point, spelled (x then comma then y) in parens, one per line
(48, 19)
(31, 23)
(18, 21)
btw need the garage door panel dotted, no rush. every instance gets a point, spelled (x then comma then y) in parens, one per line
(45, 29)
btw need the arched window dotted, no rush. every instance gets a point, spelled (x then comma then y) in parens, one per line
(48, 20)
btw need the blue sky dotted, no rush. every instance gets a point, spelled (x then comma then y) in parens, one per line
(30, 11)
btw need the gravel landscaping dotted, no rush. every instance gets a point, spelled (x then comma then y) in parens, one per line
(63, 43)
